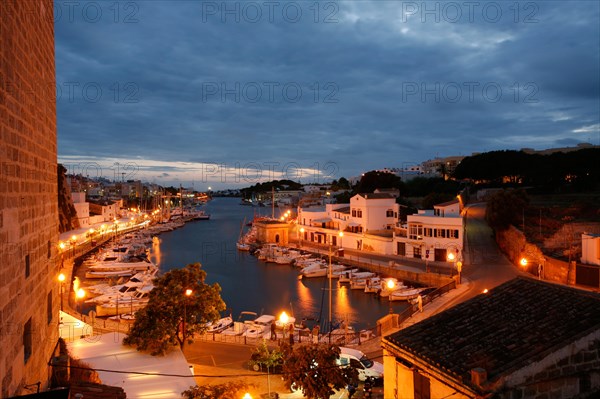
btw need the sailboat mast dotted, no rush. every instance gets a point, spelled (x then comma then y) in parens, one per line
(272, 202)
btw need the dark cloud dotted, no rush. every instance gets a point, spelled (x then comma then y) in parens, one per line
(368, 87)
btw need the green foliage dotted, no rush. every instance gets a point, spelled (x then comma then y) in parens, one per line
(343, 198)
(313, 369)
(160, 324)
(228, 390)
(265, 357)
(372, 180)
(505, 208)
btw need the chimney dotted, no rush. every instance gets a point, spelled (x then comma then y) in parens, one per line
(478, 376)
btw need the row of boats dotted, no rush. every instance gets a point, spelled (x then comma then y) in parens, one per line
(126, 271)
(311, 267)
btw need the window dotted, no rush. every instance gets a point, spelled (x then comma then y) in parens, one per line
(415, 232)
(353, 213)
(27, 266)
(421, 384)
(416, 252)
(49, 310)
(27, 341)
(389, 213)
(49, 249)
(401, 248)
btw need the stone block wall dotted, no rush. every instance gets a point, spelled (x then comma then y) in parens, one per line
(29, 299)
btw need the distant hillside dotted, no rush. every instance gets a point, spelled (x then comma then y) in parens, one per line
(576, 171)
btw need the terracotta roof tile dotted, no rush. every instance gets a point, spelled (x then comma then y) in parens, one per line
(507, 328)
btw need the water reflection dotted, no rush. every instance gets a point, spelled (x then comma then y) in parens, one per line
(252, 285)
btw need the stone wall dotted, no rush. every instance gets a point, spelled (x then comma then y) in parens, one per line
(512, 242)
(29, 299)
(574, 375)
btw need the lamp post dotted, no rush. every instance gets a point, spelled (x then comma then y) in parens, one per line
(391, 284)
(188, 292)
(61, 280)
(459, 270)
(73, 242)
(451, 258)
(80, 296)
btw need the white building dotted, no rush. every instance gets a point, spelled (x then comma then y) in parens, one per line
(371, 223)
(432, 234)
(367, 223)
(590, 249)
(82, 208)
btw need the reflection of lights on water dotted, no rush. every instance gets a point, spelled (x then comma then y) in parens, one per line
(342, 303)
(156, 254)
(305, 298)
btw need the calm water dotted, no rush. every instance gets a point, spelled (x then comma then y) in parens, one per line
(252, 285)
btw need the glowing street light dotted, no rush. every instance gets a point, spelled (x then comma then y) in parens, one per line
(523, 262)
(247, 396)
(391, 284)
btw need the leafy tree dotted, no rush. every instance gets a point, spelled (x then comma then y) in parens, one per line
(505, 208)
(313, 369)
(432, 199)
(228, 390)
(160, 324)
(372, 180)
(265, 357)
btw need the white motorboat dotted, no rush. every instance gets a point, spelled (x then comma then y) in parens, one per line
(386, 288)
(220, 325)
(320, 270)
(405, 294)
(259, 327)
(373, 285)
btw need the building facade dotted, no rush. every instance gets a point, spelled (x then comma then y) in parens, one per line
(371, 222)
(29, 290)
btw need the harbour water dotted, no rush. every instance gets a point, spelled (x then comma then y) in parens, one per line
(252, 285)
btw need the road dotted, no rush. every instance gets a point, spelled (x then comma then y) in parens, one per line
(486, 265)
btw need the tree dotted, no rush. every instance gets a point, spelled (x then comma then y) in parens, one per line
(372, 180)
(313, 369)
(161, 323)
(228, 390)
(505, 208)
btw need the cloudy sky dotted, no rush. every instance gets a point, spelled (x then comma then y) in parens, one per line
(224, 94)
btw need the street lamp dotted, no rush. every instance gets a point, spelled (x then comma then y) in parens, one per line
(247, 396)
(391, 284)
(284, 319)
(341, 234)
(452, 258)
(73, 242)
(523, 262)
(301, 235)
(80, 296)
(459, 269)
(188, 292)
(61, 279)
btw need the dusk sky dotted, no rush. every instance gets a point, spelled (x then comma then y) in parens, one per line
(225, 94)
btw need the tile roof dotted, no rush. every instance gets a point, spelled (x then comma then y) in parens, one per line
(345, 209)
(506, 329)
(447, 203)
(376, 195)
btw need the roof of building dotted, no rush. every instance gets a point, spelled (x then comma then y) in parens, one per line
(376, 195)
(511, 326)
(345, 209)
(447, 203)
